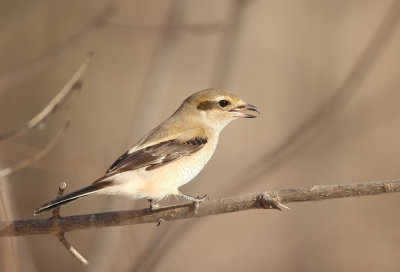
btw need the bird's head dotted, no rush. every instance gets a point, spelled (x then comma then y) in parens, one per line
(218, 107)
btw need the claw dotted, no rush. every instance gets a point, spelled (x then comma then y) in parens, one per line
(159, 222)
(195, 200)
(199, 199)
(154, 205)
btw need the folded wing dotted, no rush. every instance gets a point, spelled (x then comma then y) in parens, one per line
(157, 155)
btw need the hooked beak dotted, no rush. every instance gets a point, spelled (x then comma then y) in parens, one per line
(240, 111)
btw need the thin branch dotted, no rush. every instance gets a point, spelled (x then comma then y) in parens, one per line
(72, 85)
(71, 249)
(54, 163)
(262, 200)
(61, 235)
(61, 188)
(22, 164)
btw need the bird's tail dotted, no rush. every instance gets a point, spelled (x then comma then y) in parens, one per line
(93, 188)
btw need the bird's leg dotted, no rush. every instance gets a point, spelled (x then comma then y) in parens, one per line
(195, 200)
(153, 204)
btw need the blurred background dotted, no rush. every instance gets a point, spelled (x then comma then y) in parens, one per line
(325, 75)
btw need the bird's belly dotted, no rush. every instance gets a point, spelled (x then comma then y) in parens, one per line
(184, 171)
(162, 181)
(167, 179)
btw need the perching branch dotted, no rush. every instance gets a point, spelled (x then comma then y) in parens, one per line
(263, 200)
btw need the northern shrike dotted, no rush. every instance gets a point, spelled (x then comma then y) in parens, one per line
(171, 154)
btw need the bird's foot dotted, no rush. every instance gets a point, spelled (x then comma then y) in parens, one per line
(196, 201)
(154, 205)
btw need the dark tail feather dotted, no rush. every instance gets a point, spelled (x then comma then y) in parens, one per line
(72, 196)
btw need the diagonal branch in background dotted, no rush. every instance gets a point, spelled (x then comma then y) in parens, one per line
(262, 200)
(314, 125)
(40, 154)
(72, 86)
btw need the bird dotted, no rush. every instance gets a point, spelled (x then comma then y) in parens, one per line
(171, 154)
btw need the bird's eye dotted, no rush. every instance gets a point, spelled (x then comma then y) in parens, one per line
(223, 103)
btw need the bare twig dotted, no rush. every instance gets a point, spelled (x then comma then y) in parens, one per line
(61, 188)
(60, 235)
(71, 249)
(72, 86)
(54, 163)
(262, 200)
(19, 165)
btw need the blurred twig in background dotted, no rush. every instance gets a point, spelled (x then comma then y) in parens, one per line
(56, 102)
(228, 46)
(41, 153)
(37, 66)
(315, 124)
(72, 86)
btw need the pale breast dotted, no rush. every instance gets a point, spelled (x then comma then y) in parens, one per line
(165, 180)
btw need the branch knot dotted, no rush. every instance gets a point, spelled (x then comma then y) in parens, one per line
(270, 200)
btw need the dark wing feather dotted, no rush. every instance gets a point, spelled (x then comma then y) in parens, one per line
(157, 155)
